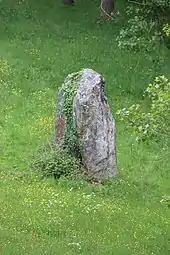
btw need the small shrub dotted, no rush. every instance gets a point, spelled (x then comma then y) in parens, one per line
(55, 162)
(166, 29)
(166, 34)
(156, 121)
(139, 33)
(154, 9)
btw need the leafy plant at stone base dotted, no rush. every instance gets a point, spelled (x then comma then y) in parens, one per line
(55, 162)
(155, 122)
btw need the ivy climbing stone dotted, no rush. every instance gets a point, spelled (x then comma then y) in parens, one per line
(85, 125)
(66, 135)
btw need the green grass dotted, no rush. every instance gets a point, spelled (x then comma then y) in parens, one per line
(41, 42)
(42, 217)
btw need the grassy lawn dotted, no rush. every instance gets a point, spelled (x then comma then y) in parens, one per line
(40, 43)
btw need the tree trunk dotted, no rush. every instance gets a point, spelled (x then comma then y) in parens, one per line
(107, 7)
(71, 2)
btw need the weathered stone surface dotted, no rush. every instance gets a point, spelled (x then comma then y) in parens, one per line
(93, 123)
(95, 126)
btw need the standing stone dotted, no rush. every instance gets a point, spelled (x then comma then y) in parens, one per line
(93, 123)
